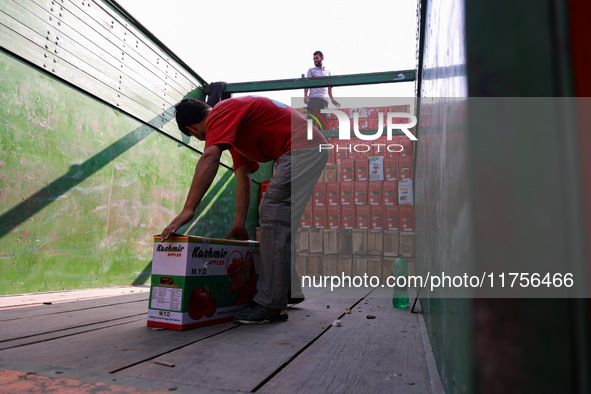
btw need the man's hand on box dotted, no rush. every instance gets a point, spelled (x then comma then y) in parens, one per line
(238, 232)
(172, 228)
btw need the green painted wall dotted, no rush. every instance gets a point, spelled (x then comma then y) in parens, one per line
(497, 188)
(84, 187)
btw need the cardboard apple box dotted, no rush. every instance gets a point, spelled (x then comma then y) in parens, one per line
(319, 216)
(361, 169)
(390, 193)
(392, 217)
(333, 193)
(391, 169)
(374, 192)
(377, 217)
(363, 214)
(306, 219)
(333, 217)
(346, 193)
(319, 194)
(379, 147)
(360, 193)
(407, 218)
(341, 151)
(347, 170)
(405, 170)
(348, 217)
(198, 281)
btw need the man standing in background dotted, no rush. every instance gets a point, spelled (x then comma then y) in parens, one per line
(318, 97)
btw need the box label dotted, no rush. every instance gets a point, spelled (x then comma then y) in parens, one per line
(405, 193)
(166, 298)
(376, 168)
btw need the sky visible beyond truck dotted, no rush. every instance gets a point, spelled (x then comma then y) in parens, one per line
(239, 41)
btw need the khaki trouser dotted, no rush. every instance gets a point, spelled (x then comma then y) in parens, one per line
(280, 210)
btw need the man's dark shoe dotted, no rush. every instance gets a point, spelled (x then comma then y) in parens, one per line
(258, 314)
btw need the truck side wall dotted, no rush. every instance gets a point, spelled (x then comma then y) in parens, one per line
(442, 202)
(491, 193)
(92, 164)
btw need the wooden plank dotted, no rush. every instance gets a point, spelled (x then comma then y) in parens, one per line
(302, 264)
(316, 245)
(56, 308)
(329, 237)
(28, 327)
(359, 242)
(391, 242)
(374, 266)
(381, 355)
(241, 359)
(314, 264)
(330, 264)
(375, 244)
(330, 173)
(111, 348)
(407, 243)
(345, 242)
(344, 264)
(359, 265)
(411, 266)
(26, 376)
(388, 263)
(69, 331)
(303, 241)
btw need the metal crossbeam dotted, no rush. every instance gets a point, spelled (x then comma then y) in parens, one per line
(319, 82)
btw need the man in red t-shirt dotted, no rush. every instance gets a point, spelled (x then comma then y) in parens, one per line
(256, 130)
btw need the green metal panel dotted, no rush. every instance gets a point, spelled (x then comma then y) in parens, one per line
(95, 48)
(497, 186)
(442, 204)
(84, 187)
(307, 83)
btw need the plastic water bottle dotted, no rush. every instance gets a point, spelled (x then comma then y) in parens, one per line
(400, 297)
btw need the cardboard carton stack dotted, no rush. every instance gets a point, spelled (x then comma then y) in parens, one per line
(361, 214)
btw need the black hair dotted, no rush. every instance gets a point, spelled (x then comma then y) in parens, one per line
(319, 53)
(188, 112)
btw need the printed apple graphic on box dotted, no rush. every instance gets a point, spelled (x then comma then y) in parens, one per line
(242, 277)
(201, 304)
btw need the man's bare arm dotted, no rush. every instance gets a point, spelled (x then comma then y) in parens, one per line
(243, 189)
(205, 172)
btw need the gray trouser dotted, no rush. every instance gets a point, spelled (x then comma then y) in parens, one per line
(282, 206)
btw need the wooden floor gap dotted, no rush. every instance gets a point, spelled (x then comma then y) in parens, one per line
(172, 350)
(68, 311)
(291, 359)
(118, 320)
